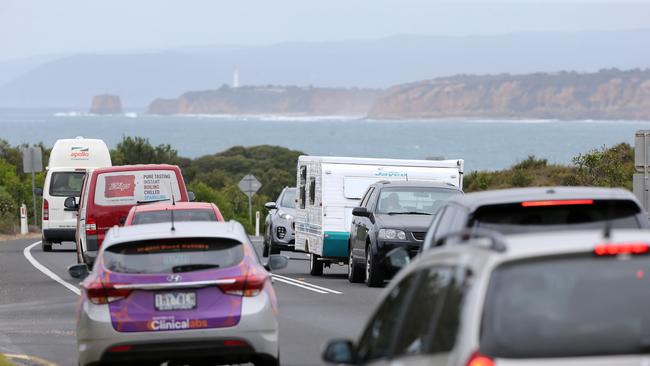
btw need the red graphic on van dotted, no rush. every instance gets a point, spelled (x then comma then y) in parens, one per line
(119, 186)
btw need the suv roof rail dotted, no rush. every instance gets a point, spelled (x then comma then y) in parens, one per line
(497, 240)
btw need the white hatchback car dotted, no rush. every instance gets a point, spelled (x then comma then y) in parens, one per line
(565, 298)
(186, 293)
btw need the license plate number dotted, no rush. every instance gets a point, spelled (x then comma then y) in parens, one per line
(175, 301)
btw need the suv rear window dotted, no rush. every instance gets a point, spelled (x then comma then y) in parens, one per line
(516, 218)
(568, 307)
(173, 255)
(66, 184)
(154, 217)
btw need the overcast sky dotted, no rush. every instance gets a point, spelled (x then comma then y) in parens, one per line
(41, 27)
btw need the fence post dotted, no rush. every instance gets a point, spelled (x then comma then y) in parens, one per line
(24, 229)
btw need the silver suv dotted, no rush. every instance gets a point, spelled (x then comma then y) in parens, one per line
(279, 225)
(562, 298)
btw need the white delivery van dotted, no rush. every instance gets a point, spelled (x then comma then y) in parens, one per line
(70, 159)
(330, 187)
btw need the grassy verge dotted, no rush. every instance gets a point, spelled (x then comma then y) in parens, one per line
(5, 362)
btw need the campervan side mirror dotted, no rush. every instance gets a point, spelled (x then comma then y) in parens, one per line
(340, 351)
(191, 196)
(38, 191)
(361, 212)
(277, 262)
(270, 206)
(70, 204)
(78, 271)
(398, 258)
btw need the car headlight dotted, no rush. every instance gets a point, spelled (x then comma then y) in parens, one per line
(391, 234)
(285, 216)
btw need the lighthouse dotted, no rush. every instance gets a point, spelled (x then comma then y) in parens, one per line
(235, 78)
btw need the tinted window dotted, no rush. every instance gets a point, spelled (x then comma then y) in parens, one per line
(568, 307)
(424, 200)
(433, 314)
(378, 337)
(366, 197)
(132, 187)
(448, 222)
(66, 184)
(312, 190)
(288, 198)
(152, 217)
(173, 255)
(515, 218)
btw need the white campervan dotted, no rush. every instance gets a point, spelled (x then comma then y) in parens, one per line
(330, 187)
(70, 159)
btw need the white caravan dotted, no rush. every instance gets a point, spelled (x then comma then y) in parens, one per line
(70, 159)
(330, 187)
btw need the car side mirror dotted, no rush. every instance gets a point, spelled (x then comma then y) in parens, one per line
(398, 258)
(191, 196)
(122, 220)
(340, 351)
(78, 271)
(38, 192)
(361, 212)
(70, 204)
(270, 206)
(277, 262)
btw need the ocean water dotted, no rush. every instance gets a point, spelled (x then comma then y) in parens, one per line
(484, 144)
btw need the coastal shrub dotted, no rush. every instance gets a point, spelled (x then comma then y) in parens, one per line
(606, 167)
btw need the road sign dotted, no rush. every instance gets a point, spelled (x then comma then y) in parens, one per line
(32, 160)
(249, 185)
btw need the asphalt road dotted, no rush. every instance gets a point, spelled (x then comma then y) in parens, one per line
(37, 314)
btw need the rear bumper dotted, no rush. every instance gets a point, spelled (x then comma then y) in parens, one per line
(59, 235)
(257, 328)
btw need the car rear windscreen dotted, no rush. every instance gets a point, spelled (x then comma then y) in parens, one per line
(136, 186)
(173, 255)
(540, 216)
(66, 184)
(154, 217)
(568, 307)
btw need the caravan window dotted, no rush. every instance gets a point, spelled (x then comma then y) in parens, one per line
(303, 175)
(355, 187)
(312, 191)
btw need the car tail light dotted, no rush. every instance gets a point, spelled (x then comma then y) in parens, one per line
(623, 248)
(478, 359)
(46, 210)
(91, 226)
(119, 349)
(99, 293)
(234, 343)
(556, 203)
(248, 286)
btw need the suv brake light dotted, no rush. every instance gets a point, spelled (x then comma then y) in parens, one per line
(99, 293)
(46, 210)
(478, 359)
(556, 203)
(623, 248)
(247, 286)
(91, 226)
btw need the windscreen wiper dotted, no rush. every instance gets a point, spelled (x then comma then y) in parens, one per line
(410, 213)
(152, 201)
(193, 267)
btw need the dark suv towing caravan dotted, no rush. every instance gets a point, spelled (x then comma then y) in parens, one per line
(526, 210)
(392, 214)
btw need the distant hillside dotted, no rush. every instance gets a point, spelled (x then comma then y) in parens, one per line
(141, 77)
(609, 94)
(269, 100)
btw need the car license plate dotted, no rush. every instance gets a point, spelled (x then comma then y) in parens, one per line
(175, 301)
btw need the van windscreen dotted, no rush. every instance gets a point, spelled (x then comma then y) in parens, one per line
(173, 255)
(66, 184)
(134, 187)
(536, 216)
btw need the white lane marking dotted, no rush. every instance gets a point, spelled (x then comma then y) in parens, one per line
(298, 285)
(28, 254)
(302, 283)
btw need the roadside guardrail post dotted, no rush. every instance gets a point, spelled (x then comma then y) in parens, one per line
(24, 229)
(257, 223)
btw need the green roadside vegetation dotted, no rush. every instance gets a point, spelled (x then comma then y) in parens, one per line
(5, 362)
(214, 178)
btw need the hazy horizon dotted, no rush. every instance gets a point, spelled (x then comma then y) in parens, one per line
(42, 28)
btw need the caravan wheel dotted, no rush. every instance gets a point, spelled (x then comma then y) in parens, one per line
(315, 266)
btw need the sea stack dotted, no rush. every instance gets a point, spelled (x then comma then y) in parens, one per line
(106, 104)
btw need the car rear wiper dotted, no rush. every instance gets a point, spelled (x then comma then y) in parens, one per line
(193, 267)
(410, 213)
(152, 201)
